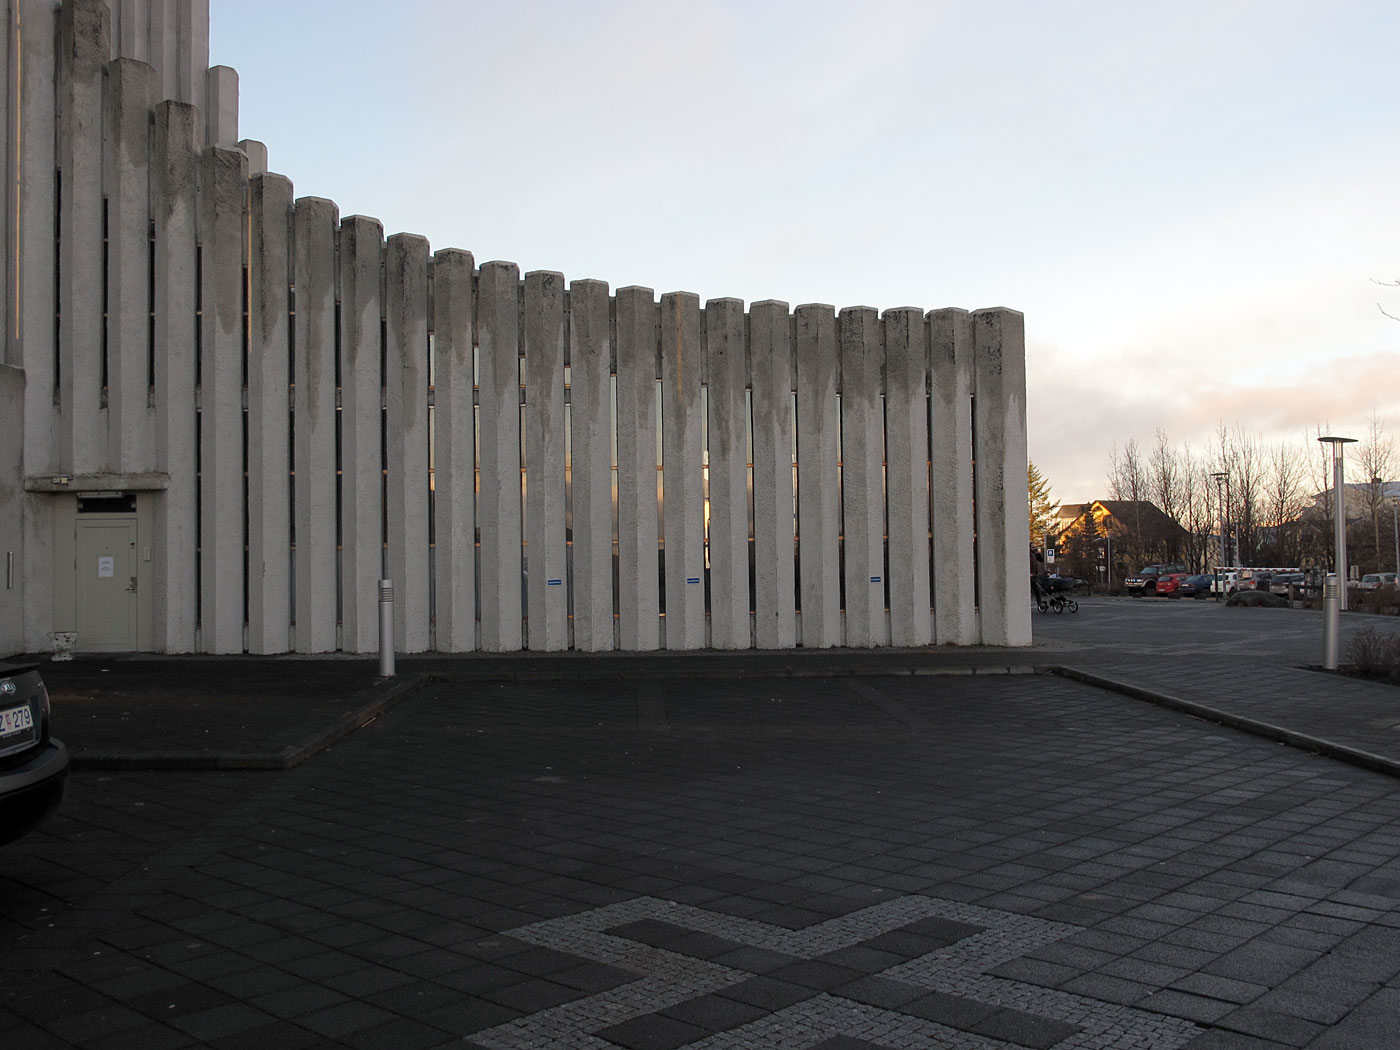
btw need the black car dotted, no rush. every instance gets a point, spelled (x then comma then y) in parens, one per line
(33, 765)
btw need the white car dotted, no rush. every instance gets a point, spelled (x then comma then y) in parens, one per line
(1227, 582)
(1375, 580)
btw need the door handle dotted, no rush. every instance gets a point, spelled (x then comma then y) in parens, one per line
(132, 588)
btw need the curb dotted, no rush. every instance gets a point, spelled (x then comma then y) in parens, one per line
(1331, 749)
(377, 699)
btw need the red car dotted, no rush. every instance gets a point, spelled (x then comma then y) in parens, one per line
(1169, 584)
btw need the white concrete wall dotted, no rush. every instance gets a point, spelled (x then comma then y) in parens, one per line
(401, 407)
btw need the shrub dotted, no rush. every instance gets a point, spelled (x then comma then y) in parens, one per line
(1375, 653)
(1383, 600)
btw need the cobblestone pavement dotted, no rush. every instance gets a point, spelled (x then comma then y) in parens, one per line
(846, 864)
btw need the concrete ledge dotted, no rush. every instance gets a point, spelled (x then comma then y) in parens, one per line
(1331, 749)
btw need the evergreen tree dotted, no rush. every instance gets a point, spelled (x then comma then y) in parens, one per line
(1042, 507)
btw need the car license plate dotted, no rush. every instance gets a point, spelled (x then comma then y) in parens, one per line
(16, 720)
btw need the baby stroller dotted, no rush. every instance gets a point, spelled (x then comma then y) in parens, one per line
(1049, 597)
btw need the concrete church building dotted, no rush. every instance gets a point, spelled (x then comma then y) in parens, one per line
(227, 411)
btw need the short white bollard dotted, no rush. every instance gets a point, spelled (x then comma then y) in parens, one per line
(386, 628)
(1331, 621)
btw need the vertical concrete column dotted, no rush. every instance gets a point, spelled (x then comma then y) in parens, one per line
(862, 458)
(34, 230)
(406, 395)
(774, 512)
(907, 473)
(498, 505)
(131, 29)
(223, 199)
(454, 428)
(10, 66)
(269, 415)
(683, 515)
(590, 419)
(221, 122)
(818, 473)
(164, 33)
(361, 448)
(313, 444)
(257, 155)
(726, 370)
(83, 44)
(32, 291)
(545, 552)
(130, 442)
(638, 477)
(175, 208)
(12, 604)
(999, 436)
(192, 52)
(954, 568)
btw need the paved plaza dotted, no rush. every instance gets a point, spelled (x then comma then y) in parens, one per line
(805, 859)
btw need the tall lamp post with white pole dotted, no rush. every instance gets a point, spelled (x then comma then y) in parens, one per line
(1339, 511)
(1220, 478)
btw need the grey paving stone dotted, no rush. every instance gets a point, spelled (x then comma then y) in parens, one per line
(651, 1032)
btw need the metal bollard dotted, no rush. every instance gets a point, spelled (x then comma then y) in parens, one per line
(386, 628)
(1331, 621)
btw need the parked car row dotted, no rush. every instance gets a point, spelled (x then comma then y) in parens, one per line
(1172, 581)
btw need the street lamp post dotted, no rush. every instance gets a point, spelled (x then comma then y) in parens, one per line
(1339, 510)
(1220, 478)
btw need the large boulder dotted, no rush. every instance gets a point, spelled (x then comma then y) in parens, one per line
(1256, 600)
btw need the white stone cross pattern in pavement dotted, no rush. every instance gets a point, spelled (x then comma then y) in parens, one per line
(957, 969)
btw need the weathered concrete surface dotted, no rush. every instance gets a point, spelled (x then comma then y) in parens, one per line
(313, 232)
(454, 497)
(638, 479)
(269, 428)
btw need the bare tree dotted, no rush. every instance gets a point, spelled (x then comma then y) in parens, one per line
(1375, 457)
(1281, 503)
(1128, 482)
(1164, 481)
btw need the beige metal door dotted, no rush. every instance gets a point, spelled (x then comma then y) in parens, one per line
(106, 569)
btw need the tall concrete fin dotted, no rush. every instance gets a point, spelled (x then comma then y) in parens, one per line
(223, 189)
(360, 282)
(819, 473)
(862, 457)
(907, 471)
(269, 415)
(546, 553)
(590, 457)
(498, 326)
(83, 44)
(999, 434)
(638, 474)
(130, 438)
(950, 393)
(406, 400)
(683, 515)
(774, 510)
(314, 423)
(175, 218)
(454, 467)
(726, 368)
(221, 93)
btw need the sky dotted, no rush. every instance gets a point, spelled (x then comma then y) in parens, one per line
(1192, 203)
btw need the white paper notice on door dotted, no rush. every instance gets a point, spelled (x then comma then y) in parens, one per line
(105, 567)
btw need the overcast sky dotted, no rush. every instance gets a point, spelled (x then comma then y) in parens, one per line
(1190, 202)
